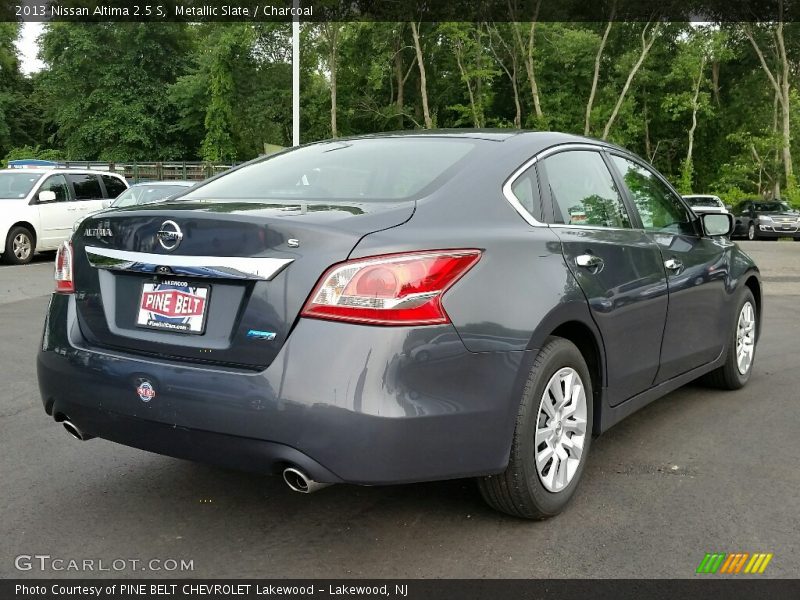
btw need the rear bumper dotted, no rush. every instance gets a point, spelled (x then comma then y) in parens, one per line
(346, 403)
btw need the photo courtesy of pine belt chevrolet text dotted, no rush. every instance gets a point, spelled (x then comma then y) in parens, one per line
(399, 308)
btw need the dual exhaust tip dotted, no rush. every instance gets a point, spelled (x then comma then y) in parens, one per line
(296, 479)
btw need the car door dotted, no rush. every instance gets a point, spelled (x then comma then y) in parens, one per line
(742, 218)
(56, 216)
(87, 192)
(618, 267)
(696, 266)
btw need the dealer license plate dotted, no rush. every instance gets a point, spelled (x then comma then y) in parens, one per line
(174, 306)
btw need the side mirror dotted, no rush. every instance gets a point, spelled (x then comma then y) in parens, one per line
(47, 196)
(715, 224)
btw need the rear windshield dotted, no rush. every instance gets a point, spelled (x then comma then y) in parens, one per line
(17, 185)
(704, 201)
(364, 169)
(773, 207)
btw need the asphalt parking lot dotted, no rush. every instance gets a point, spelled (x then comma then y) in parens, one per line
(697, 471)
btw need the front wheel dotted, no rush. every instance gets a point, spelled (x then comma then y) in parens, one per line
(552, 437)
(752, 234)
(19, 246)
(736, 371)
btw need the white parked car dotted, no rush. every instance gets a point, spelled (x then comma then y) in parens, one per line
(706, 203)
(39, 206)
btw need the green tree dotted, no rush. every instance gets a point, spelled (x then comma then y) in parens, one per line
(106, 88)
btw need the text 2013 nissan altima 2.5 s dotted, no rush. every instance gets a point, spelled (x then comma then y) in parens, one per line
(399, 308)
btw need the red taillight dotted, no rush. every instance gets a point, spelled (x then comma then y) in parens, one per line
(394, 289)
(64, 283)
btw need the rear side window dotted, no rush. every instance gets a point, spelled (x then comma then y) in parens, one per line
(58, 185)
(658, 207)
(114, 186)
(361, 170)
(526, 190)
(583, 190)
(87, 187)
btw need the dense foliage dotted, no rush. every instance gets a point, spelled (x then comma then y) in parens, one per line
(711, 106)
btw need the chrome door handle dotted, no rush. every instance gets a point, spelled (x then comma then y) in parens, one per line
(589, 261)
(673, 264)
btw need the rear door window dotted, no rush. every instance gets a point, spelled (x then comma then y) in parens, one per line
(114, 185)
(583, 191)
(87, 187)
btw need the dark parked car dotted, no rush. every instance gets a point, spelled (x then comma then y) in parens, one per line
(286, 316)
(767, 220)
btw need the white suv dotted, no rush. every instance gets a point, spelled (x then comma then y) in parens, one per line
(39, 206)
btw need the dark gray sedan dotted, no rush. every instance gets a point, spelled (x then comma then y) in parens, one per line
(397, 308)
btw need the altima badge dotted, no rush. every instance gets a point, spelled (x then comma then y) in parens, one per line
(102, 230)
(170, 235)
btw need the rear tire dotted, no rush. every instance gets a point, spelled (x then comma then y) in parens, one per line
(741, 347)
(552, 437)
(20, 246)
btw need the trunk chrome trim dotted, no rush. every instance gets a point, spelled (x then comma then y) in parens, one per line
(220, 267)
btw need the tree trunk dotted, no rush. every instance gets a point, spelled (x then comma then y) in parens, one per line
(781, 87)
(596, 77)
(465, 77)
(715, 80)
(785, 106)
(398, 75)
(423, 82)
(646, 45)
(694, 110)
(647, 145)
(776, 192)
(527, 52)
(537, 106)
(330, 33)
(510, 73)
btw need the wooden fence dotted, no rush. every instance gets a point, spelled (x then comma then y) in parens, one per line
(153, 171)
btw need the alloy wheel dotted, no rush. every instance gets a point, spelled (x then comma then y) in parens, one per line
(22, 246)
(745, 338)
(560, 429)
(751, 232)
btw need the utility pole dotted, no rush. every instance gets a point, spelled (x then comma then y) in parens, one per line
(296, 73)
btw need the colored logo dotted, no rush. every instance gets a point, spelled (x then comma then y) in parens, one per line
(261, 335)
(170, 235)
(146, 391)
(734, 563)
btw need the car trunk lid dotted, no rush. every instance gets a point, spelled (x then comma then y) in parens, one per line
(218, 282)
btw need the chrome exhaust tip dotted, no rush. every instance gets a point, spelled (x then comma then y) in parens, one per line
(300, 482)
(74, 431)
